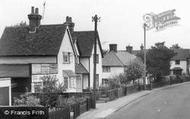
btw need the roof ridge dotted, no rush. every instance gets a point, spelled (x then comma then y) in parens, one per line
(53, 25)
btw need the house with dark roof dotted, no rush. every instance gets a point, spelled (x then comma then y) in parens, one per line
(84, 41)
(85, 44)
(179, 64)
(116, 61)
(27, 53)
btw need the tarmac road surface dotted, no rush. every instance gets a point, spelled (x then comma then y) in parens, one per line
(167, 103)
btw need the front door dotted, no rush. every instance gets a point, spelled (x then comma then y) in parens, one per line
(5, 91)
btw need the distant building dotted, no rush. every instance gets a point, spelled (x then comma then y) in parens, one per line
(180, 63)
(116, 61)
(84, 41)
(85, 44)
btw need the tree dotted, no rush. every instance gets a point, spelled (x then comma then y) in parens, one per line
(105, 51)
(21, 24)
(50, 91)
(158, 60)
(133, 72)
(175, 46)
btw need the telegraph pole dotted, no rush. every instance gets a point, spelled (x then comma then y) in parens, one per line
(95, 19)
(144, 27)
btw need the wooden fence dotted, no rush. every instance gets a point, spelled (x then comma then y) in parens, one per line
(80, 107)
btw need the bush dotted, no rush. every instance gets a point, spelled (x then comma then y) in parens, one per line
(70, 101)
(26, 100)
(50, 91)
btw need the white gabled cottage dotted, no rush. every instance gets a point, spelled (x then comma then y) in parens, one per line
(84, 41)
(85, 44)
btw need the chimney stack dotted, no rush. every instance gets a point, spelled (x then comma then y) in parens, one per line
(113, 47)
(32, 10)
(34, 19)
(129, 49)
(70, 24)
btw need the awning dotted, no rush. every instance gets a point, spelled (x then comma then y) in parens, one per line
(177, 68)
(69, 73)
(80, 69)
(14, 70)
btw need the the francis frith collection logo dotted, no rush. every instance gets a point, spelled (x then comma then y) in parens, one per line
(160, 21)
(23, 113)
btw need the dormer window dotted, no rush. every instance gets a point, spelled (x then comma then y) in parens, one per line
(177, 62)
(66, 57)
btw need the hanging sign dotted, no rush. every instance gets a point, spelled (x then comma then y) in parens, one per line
(160, 21)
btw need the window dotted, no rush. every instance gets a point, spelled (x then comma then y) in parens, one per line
(72, 82)
(66, 57)
(177, 62)
(97, 58)
(105, 82)
(106, 69)
(44, 68)
(53, 68)
(37, 86)
(66, 82)
(49, 68)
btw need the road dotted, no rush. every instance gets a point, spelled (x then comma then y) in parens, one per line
(168, 103)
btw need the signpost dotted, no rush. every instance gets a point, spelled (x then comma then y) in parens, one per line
(23, 113)
(159, 22)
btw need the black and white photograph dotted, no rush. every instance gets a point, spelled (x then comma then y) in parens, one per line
(94, 59)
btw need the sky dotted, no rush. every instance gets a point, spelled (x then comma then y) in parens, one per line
(121, 21)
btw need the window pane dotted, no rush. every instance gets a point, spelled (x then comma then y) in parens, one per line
(72, 82)
(66, 57)
(45, 68)
(66, 82)
(53, 69)
(177, 62)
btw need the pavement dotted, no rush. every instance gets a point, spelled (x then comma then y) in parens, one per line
(103, 110)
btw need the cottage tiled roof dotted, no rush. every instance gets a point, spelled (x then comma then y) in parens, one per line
(17, 41)
(80, 69)
(119, 58)
(85, 41)
(125, 57)
(111, 59)
(181, 54)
